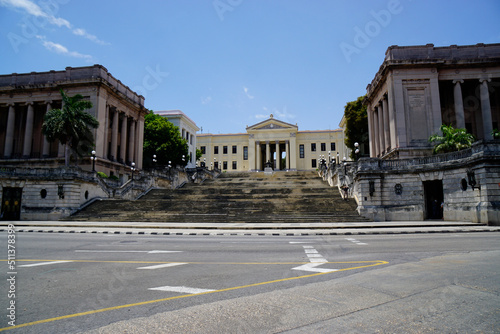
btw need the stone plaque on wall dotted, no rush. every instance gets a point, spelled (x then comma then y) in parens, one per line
(417, 116)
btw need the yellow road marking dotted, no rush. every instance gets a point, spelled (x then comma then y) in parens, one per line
(373, 263)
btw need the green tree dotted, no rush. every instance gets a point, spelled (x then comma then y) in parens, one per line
(451, 139)
(496, 134)
(163, 138)
(356, 126)
(198, 154)
(71, 125)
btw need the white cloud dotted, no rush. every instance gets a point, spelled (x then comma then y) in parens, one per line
(206, 100)
(245, 89)
(85, 34)
(62, 50)
(282, 115)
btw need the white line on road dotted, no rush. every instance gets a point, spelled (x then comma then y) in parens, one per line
(125, 251)
(42, 263)
(312, 267)
(315, 260)
(357, 242)
(181, 289)
(159, 266)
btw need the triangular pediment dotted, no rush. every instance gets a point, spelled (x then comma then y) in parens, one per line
(272, 124)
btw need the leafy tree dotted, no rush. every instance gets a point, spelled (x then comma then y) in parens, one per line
(198, 154)
(163, 138)
(451, 139)
(71, 125)
(356, 126)
(496, 134)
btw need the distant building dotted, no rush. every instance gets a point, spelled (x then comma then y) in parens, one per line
(271, 141)
(419, 88)
(25, 99)
(187, 129)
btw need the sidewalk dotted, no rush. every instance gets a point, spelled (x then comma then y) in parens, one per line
(291, 229)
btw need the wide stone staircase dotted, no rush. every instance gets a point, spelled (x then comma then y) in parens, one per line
(283, 197)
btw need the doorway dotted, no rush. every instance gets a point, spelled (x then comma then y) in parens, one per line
(11, 203)
(433, 192)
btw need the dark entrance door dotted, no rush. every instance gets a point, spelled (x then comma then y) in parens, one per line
(433, 199)
(11, 203)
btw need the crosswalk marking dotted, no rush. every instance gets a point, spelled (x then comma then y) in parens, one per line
(181, 289)
(160, 266)
(42, 263)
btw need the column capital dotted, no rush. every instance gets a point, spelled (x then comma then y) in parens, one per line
(48, 102)
(11, 104)
(29, 103)
(481, 80)
(460, 81)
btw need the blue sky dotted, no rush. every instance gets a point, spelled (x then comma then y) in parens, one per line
(229, 64)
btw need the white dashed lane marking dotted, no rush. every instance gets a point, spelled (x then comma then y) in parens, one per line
(43, 263)
(160, 266)
(181, 289)
(357, 242)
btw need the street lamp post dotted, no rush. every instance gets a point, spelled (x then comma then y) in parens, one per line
(93, 157)
(154, 161)
(132, 169)
(356, 150)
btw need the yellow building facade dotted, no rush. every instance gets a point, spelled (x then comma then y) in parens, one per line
(279, 144)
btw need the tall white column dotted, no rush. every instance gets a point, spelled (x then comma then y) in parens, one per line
(28, 131)
(258, 155)
(46, 144)
(278, 155)
(387, 127)
(114, 134)
(486, 109)
(376, 140)
(268, 151)
(9, 136)
(459, 104)
(371, 134)
(287, 149)
(131, 141)
(381, 136)
(123, 140)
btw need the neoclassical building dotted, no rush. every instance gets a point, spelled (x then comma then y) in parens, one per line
(271, 141)
(187, 128)
(25, 98)
(419, 88)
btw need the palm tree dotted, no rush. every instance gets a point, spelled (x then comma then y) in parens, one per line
(452, 140)
(71, 124)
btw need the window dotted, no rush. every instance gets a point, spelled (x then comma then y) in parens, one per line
(245, 152)
(203, 150)
(224, 165)
(235, 149)
(235, 165)
(224, 149)
(313, 147)
(313, 163)
(216, 149)
(323, 147)
(332, 147)
(216, 165)
(301, 151)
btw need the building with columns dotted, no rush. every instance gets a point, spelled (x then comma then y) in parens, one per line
(25, 99)
(419, 88)
(187, 128)
(271, 141)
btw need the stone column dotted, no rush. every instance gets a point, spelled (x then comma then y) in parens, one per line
(114, 134)
(287, 149)
(9, 136)
(392, 116)
(278, 155)
(268, 151)
(387, 128)
(376, 140)
(381, 136)
(123, 139)
(61, 152)
(486, 109)
(459, 104)
(258, 155)
(28, 130)
(46, 144)
(371, 135)
(131, 141)
(293, 151)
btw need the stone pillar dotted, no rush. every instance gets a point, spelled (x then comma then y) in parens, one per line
(131, 141)
(459, 104)
(258, 155)
(387, 128)
(278, 155)
(268, 151)
(376, 140)
(381, 135)
(123, 139)
(392, 116)
(9, 136)
(46, 144)
(114, 135)
(371, 135)
(287, 149)
(293, 151)
(28, 130)
(486, 109)
(61, 147)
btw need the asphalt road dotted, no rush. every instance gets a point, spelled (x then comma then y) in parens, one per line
(445, 283)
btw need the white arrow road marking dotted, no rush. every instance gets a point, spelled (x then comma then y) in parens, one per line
(159, 266)
(312, 267)
(315, 259)
(181, 289)
(42, 263)
(126, 251)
